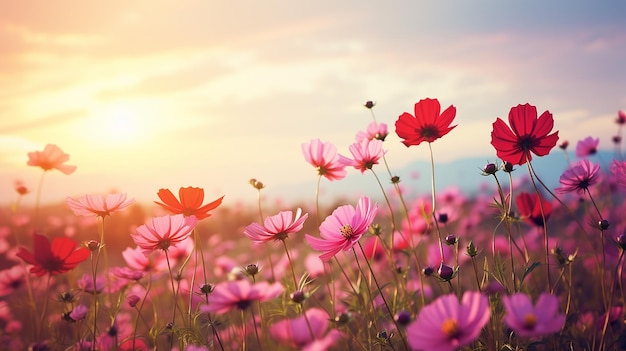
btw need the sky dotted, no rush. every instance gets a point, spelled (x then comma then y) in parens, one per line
(157, 94)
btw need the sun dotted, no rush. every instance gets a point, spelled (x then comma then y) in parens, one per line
(116, 124)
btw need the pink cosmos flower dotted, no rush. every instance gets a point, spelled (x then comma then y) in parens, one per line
(239, 294)
(529, 321)
(79, 312)
(343, 228)
(99, 205)
(324, 157)
(587, 147)
(137, 260)
(276, 227)
(162, 232)
(621, 117)
(374, 131)
(618, 169)
(52, 157)
(446, 324)
(579, 177)
(12, 279)
(295, 332)
(366, 154)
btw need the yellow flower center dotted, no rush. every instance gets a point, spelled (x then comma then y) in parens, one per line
(346, 231)
(450, 327)
(530, 320)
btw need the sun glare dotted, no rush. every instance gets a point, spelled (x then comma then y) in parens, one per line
(116, 124)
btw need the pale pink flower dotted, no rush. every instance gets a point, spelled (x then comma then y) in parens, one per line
(587, 147)
(366, 154)
(374, 131)
(324, 157)
(343, 228)
(52, 157)
(239, 294)
(295, 332)
(530, 321)
(99, 205)
(127, 273)
(276, 227)
(137, 260)
(447, 325)
(162, 232)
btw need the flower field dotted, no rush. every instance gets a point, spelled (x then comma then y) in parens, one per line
(514, 266)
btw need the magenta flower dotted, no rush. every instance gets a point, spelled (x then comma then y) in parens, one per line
(529, 321)
(12, 279)
(324, 157)
(343, 228)
(79, 312)
(98, 205)
(374, 131)
(276, 227)
(587, 147)
(446, 324)
(579, 177)
(618, 169)
(239, 294)
(162, 232)
(366, 154)
(295, 332)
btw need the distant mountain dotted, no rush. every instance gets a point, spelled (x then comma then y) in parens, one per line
(463, 173)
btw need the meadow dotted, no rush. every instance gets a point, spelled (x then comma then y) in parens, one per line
(514, 266)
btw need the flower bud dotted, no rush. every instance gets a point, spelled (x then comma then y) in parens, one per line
(508, 167)
(93, 245)
(403, 317)
(564, 144)
(451, 239)
(471, 249)
(443, 218)
(298, 296)
(445, 272)
(369, 104)
(343, 318)
(132, 300)
(603, 224)
(490, 169)
(428, 271)
(252, 269)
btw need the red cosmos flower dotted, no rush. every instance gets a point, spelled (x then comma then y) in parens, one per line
(59, 257)
(527, 134)
(529, 208)
(190, 203)
(52, 157)
(427, 124)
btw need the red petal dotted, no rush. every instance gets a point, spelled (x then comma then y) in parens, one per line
(191, 198)
(170, 202)
(427, 111)
(522, 119)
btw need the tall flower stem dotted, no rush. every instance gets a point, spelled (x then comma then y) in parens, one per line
(545, 225)
(174, 293)
(38, 200)
(295, 286)
(382, 295)
(433, 195)
(610, 302)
